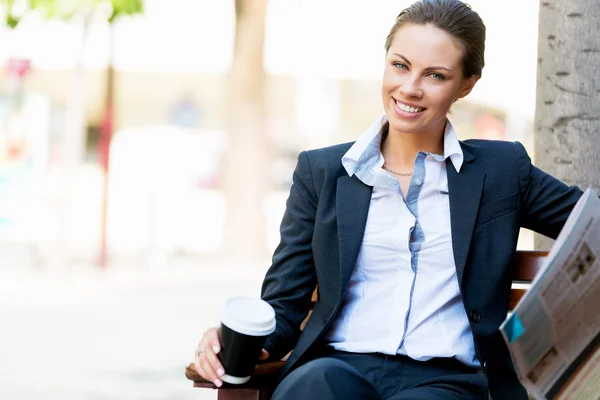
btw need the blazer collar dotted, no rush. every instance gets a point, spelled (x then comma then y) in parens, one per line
(467, 153)
(464, 190)
(353, 198)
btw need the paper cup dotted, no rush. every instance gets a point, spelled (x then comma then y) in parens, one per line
(245, 324)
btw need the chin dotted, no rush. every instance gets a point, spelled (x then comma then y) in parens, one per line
(403, 126)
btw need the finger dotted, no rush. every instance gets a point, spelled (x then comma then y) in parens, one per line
(198, 368)
(211, 337)
(199, 347)
(263, 355)
(214, 362)
(200, 363)
(210, 373)
(204, 374)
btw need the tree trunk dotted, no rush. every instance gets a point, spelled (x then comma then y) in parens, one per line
(567, 120)
(106, 132)
(247, 179)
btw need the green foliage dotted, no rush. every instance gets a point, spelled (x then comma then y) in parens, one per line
(11, 21)
(67, 9)
(126, 7)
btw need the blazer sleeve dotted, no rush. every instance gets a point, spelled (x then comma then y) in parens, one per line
(546, 202)
(291, 279)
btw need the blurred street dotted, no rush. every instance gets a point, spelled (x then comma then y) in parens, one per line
(123, 333)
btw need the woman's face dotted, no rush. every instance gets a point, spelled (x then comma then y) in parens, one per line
(423, 76)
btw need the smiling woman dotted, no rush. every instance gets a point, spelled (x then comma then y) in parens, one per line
(410, 236)
(434, 56)
(423, 76)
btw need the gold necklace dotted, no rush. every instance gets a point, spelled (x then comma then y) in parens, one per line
(396, 172)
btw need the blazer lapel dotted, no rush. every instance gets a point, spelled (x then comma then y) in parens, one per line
(464, 189)
(353, 198)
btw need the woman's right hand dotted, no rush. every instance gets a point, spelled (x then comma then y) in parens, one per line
(207, 363)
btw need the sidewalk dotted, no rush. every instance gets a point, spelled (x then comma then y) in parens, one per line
(123, 333)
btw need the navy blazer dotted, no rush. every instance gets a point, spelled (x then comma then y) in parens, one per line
(497, 192)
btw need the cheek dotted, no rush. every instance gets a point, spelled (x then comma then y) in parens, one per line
(391, 79)
(444, 97)
(386, 82)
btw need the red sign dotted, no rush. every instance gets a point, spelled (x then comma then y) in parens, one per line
(18, 66)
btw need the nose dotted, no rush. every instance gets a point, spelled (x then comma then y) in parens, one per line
(411, 87)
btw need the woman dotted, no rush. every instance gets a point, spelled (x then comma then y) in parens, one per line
(410, 236)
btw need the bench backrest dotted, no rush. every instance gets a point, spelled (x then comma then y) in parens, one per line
(527, 264)
(264, 379)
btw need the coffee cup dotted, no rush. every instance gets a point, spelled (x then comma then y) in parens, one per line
(245, 324)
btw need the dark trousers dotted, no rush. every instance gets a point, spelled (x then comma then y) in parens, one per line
(347, 376)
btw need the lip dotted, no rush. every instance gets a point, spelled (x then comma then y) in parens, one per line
(409, 104)
(405, 114)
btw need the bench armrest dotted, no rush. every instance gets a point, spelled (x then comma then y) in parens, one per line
(265, 376)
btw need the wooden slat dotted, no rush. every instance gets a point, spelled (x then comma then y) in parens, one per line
(527, 264)
(238, 394)
(243, 394)
(264, 374)
(515, 296)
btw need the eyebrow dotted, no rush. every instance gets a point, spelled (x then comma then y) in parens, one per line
(426, 69)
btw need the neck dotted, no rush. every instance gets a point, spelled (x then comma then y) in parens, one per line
(400, 149)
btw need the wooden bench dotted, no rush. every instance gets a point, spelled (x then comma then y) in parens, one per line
(264, 378)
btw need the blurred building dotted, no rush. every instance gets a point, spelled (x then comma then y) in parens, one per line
(323, 60)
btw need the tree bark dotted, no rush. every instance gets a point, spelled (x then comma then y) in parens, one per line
(247, 179)
(567, 119)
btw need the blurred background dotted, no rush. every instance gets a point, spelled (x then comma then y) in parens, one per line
(146, 152)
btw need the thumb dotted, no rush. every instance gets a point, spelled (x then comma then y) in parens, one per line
(263, 355)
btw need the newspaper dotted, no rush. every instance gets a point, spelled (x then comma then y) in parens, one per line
(553, 333)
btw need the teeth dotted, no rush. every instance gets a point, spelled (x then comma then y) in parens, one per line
(409, 109)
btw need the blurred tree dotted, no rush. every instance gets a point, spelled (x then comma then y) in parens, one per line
(567, 119)
(73, 145)
(247, 179)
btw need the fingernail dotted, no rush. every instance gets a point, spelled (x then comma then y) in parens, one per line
(217, 382)
(216, 349)
(220, 371)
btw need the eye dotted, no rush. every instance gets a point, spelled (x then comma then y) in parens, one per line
(399, 65)
(437, 77)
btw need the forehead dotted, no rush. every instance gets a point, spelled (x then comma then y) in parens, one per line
(426, 45)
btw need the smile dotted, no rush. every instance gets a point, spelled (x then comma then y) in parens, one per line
(409, 109)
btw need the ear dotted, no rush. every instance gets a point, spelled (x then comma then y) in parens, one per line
(468, 85)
